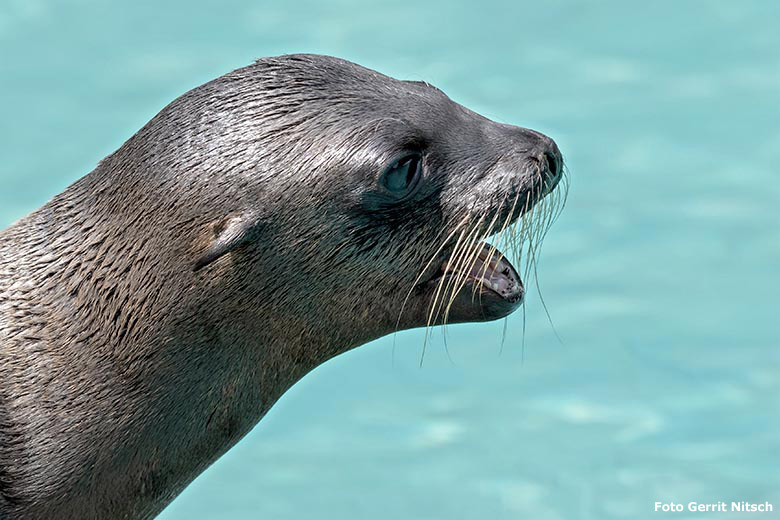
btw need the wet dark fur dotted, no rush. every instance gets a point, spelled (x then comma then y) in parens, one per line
(153, 312)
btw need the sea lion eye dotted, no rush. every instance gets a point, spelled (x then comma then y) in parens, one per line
(402, 174)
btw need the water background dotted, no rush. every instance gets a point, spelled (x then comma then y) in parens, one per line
(661, 276)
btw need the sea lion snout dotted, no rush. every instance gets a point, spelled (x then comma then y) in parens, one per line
(540, 149)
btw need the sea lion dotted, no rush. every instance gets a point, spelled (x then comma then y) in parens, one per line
(259, 225)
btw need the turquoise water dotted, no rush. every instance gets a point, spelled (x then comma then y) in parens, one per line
(661, 275)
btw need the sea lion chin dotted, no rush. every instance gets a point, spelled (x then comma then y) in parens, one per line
(259, 225)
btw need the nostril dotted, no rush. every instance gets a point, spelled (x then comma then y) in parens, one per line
(552, 163)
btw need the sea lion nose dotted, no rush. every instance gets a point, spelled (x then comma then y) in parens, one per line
(549, 156)
(544, 150)
(554, 162)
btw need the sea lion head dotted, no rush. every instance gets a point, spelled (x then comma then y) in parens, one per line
(361, 201)
(309, 197)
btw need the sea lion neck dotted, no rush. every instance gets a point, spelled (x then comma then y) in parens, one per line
(159, 388)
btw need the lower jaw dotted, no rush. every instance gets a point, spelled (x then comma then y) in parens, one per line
(473, 304)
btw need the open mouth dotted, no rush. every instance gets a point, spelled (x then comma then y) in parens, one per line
(479, 289)
(492, 271)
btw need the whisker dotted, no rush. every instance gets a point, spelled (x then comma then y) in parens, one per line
(438, 291)
(422, 272)
(454, 264)
(493, 249)
(470, 259)
(427, 266)
(476, 247)
(460, 250)
(458, 269)
(503, 336)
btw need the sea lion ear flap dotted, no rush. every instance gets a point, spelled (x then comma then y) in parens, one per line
(228, 234)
